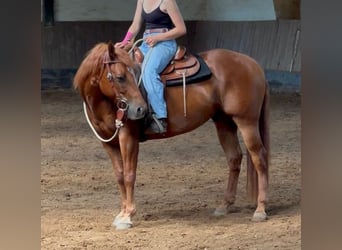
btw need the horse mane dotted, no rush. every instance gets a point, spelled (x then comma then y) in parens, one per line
(92, 64)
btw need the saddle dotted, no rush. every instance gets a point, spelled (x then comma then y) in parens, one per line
(182, 65)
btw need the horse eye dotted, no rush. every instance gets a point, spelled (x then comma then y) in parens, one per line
(120, 79)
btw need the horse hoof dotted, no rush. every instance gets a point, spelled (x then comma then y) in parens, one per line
(122, 223)
(220, 212)
(116, 221)
(259, 216)
(123, 226)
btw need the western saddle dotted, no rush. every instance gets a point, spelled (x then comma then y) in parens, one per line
(182, 65)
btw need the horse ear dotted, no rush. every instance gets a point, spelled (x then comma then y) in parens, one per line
(111, 50)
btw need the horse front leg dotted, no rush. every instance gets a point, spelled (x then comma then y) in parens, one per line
(115, 156)
(129, 146)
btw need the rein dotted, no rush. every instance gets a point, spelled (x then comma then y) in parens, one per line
(122, 107)
(147, 57)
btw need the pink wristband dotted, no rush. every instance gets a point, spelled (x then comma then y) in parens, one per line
(128, 37)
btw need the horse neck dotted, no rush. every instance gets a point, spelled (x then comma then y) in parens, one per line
(100, 106)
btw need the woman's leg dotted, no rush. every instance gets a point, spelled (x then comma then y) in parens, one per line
(155, 60)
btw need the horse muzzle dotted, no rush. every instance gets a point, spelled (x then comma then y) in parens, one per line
(133, 111)
(136, 112)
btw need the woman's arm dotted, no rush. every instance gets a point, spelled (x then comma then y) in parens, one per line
(170, 7)
(133, 30)
(137, 20)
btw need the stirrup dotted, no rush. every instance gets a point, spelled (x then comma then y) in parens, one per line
(157, 126)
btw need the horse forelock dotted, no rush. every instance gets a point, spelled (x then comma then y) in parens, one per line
(124, 57)
(92, 64)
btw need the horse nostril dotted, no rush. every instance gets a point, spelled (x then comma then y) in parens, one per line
(141, 110)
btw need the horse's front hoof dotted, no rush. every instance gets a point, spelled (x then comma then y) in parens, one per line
(220, 212)
(116, 221)
(259, 216)
(123, 226)
(122, 223)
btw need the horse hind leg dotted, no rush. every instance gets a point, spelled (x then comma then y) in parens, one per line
(258, 155)
(227, 134)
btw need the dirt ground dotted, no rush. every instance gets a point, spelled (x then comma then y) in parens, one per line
(180, 181)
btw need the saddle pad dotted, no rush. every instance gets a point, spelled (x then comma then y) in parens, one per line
(203, 74)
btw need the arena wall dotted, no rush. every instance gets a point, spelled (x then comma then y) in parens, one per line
(275, 44)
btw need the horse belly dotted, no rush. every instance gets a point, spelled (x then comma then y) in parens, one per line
(185, 114)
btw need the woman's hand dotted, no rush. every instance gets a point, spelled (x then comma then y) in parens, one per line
(152, 40)
(120, 44)
(126, 45)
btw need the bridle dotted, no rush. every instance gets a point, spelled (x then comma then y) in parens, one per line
(122, 103)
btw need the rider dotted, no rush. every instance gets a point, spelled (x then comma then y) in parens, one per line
(163, 24)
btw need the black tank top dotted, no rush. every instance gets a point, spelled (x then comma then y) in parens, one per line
(157, 19)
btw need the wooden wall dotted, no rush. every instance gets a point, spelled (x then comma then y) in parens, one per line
(65, 44)
(274, 44)
(192, 10)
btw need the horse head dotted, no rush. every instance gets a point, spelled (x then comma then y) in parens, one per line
(118, 82)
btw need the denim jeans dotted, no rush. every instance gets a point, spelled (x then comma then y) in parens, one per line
(156, 58)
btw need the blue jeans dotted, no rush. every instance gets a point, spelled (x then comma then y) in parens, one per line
(156, 58)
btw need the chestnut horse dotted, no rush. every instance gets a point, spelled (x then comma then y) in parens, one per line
(235, 97)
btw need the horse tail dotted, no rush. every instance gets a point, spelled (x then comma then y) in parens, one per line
(252, 177)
